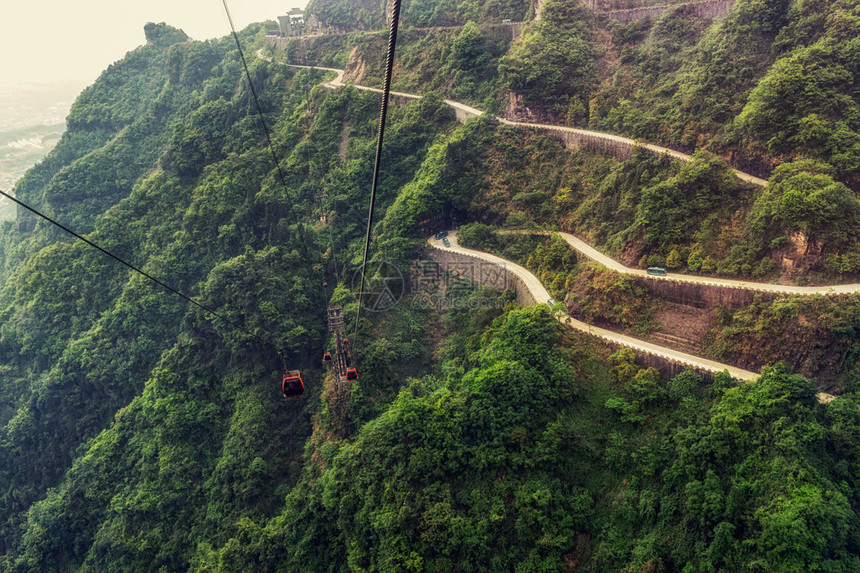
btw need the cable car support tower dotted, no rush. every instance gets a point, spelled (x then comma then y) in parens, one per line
(343, 368)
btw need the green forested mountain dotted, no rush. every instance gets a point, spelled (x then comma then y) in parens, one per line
(138, 433)
(771, 85)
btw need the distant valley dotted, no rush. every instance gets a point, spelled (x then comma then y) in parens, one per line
(32, 119)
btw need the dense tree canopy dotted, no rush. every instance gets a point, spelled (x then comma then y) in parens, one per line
(553, 61)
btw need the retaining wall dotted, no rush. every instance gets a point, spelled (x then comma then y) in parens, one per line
(708, 10)
(702, 295)
(667, 368)
(463, 114)
(491, 275)
(481, 272)
(502, 32)
(576, 140)
(277, 42)
(399, 98)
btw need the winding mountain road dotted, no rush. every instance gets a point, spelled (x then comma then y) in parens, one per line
(656, 149)
(472, 112)
(539, 292)
(541, 295)
(595, 255)
(590, 251)
(338, 82)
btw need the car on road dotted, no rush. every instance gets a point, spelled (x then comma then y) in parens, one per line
(446, 242)
(441, 234)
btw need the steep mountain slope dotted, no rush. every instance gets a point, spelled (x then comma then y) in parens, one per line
(197, 206)
(769, 84)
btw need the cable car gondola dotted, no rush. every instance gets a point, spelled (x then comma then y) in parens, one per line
(292, 386)
(327, 357)
(351, 374)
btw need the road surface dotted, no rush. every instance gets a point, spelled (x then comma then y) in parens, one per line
(595, 255)
(541, 295)
(338, 81)
(592, 253)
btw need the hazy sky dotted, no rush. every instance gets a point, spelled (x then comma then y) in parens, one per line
(47, 40)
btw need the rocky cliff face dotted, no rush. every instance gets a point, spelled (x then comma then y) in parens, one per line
(316, 27)
(708, 10)
(355, 68)
(516, 110)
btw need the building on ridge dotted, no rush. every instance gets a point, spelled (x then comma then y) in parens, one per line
(293, 23)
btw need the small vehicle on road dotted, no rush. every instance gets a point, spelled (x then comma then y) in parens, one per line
(441, 234)
(446, 242)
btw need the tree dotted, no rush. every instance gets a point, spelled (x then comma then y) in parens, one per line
(553, 61)
(672, 209)
(804, 105)
(803, 197)
(470, 49)
(162, 35)
(674, 260)
(576, 112)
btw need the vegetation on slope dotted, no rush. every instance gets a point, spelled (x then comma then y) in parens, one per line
(82, 339)
(648, 211)
(552, 63)
(530, 453)
(771, 83)
(364, 15)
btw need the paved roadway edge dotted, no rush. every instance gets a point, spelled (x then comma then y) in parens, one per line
(587, 250)
(538, 293)
(541, 295)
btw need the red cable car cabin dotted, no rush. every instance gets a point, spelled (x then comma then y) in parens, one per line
(292, 385)
(327, 357)
(351, 374)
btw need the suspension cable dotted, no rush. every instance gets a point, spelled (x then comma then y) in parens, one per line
(333, 254)
(271, 146)
(269, 142)
(394, 19)
(134, 268)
